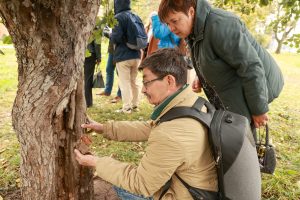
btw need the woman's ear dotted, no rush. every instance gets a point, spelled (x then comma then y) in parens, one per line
(192, 11)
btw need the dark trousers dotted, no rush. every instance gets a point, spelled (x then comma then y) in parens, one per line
(89, 68)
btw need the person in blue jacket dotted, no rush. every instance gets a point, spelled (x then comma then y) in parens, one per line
(161, 31)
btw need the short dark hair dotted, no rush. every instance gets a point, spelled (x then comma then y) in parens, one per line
(167, 61)
(167, 6)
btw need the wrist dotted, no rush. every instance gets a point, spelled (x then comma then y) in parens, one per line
(93, 162)
(98, 128)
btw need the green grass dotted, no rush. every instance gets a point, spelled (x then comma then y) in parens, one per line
(9, 146)
(284, 128)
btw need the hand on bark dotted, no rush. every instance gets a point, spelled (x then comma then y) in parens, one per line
(85, 160)
(93, 126)
(260, 120)
(83, 144)
(196, 86)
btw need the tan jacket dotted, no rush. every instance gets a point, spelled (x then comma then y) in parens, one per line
(180, 146)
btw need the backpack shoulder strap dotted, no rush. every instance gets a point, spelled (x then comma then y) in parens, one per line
(165, 188)
(198, 193)
(193, 112)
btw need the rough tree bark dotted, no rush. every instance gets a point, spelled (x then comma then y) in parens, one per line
(50, 40)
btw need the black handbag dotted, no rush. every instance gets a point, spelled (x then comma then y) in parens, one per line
(98, 81)
(266, 153)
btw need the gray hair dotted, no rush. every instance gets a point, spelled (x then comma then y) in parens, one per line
(167, 61)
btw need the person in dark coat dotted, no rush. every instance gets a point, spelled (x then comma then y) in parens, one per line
(235, 71)
(93, 58)
(127, 60)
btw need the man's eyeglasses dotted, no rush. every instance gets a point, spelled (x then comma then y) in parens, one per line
(146, 83)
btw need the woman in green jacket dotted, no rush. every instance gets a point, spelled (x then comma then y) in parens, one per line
(235, 72)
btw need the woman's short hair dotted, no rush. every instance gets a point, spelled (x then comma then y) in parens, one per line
(167, 6)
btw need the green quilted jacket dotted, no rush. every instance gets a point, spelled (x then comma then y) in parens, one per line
(241, 72)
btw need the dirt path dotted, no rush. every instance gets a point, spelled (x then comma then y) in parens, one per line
(102, 191)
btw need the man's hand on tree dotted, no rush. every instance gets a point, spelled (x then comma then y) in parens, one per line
(93, 126)
(85, 160)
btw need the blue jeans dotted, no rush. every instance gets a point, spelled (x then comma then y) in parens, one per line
(124, 195)
(110, 73)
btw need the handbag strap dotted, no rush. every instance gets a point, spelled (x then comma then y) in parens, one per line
(209, 91)
(97, 68)
(266, 137)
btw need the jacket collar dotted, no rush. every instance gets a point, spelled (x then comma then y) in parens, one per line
(203, 9)
(185, 93)
(158, 110)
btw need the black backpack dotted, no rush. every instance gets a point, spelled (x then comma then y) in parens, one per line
(234, 151)
(136, 34)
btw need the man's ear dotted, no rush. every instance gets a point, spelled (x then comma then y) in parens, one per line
(171, 81)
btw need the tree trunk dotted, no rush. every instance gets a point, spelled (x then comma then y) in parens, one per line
(279, 46)
(50, 40)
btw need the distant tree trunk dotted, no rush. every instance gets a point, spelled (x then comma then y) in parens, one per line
(279, 46)
(285, 21)
(280, 41)
(50, 40)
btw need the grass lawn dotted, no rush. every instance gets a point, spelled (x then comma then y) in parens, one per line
(284, 129)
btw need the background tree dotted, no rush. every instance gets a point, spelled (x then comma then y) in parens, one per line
(294, 41)
(287, 15)
(254, 13)
(50, 39)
